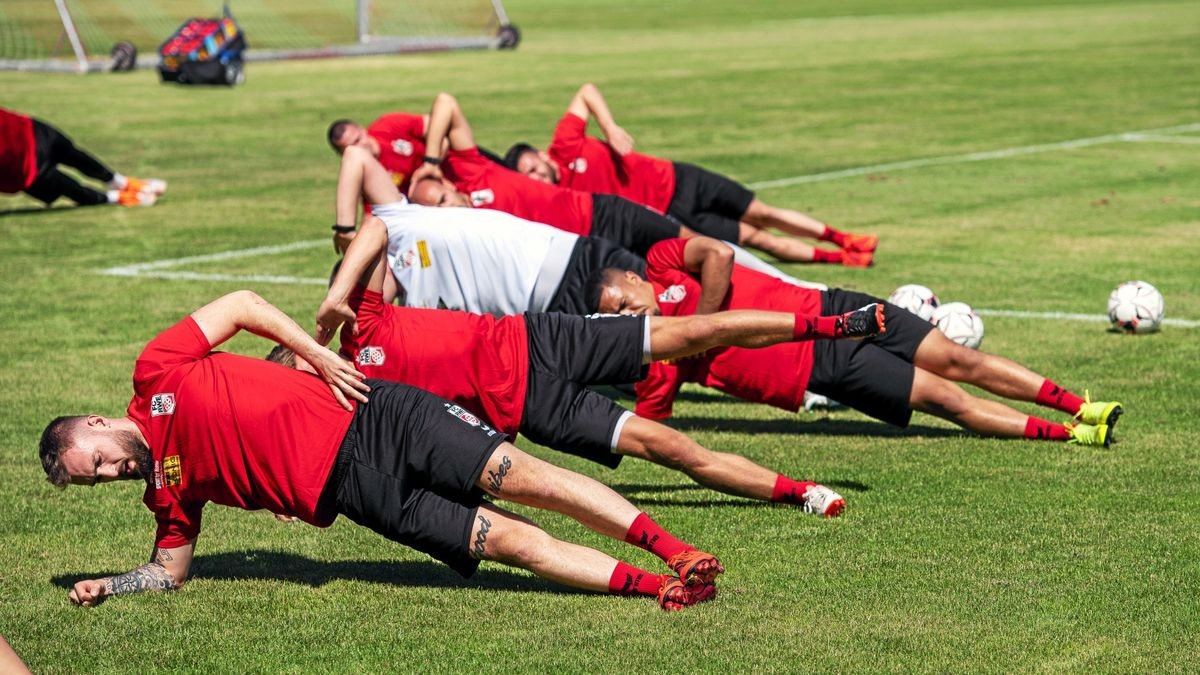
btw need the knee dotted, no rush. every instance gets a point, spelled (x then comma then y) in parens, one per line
(944, 399)
(672, 449)
(518, 544)
(962, 362)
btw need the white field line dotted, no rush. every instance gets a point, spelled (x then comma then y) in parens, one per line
(1067, 316)
(140, 269)
(1003, 153)
(1158, 138)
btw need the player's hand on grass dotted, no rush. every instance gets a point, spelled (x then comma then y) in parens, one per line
(426, 170)
(620, 140)
(330, 316)
(89, 592)
(344, 381)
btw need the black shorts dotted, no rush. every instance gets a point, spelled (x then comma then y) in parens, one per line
(589, 256)
(628, 225)
(873, 376)
(708, 202)
(566, 354)
(407, 469)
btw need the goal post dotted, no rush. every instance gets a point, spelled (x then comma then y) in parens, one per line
(78, 35)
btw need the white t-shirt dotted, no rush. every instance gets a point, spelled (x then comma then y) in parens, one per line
(476, 260)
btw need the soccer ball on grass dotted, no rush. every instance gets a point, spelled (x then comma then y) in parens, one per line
(1135, 307)
(960, 323)
(915, 298)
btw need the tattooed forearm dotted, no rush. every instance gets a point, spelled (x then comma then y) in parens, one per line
(481, 536)
(496, 478)
(159, 555)
(148, 577)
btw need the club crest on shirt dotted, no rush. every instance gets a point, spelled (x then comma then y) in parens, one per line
(578, 165)
(398, 178)
(162, 404)
(402, 147)
(673, 294)
(468, 418)
(371, 356)
(482, 197)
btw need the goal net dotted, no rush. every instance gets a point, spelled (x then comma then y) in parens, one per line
(78, 35)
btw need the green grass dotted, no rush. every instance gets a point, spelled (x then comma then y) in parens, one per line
(956, 553)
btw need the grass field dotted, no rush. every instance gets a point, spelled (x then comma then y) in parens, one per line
(956, 553)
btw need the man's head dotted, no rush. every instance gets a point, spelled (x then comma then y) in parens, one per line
(90, 449)
(288, 359)
(617, 291)
(529, 161)
(345, 133)
(433, 192)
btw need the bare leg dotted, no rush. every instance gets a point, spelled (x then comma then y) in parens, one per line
(996, 374)
(674, 337)
(940, 397)
(362, 174)
(783, 248)
(763, 215)
(507, 538)
(721, 471)
(518, 477)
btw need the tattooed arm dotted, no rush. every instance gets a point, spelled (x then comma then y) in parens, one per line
(166, 571)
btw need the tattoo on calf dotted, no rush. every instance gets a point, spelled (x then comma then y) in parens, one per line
(481, 536)
(150, 577)
(496, 478)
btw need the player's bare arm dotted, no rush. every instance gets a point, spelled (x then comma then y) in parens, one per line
(446, 123)
(166, 571)
(589, 101)
(361, 259)
(222, 318)
(712, 262)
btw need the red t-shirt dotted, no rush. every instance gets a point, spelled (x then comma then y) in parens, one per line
(491, 186)
(776, 375)
(231, 430)
(401, 138)
(590, 165)
(478, 361)
(18, 159)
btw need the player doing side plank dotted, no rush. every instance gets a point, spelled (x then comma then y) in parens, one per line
(909, 367)
(530, 373)
(707, 202)
(206, 426)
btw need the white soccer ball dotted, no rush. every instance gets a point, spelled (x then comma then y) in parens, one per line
(960, 323)
(915, 298)
(1136, 307)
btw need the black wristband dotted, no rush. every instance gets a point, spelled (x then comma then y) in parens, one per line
(430, 159)
(343, 229)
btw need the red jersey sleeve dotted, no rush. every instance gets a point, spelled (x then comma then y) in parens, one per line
(182, 343)
(399, 125)
(568, 140)
(178, 522)
(666, 256)
(466, 166)
(656, 394)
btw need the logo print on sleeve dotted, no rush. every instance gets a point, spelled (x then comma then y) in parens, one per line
(402, 147)
(482, 197)
(162, 404)
(674, 293)
(371, 356)
(578, 165)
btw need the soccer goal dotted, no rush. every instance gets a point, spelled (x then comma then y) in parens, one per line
(80, 35)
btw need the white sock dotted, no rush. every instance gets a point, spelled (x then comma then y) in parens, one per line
(113, 196)
(118, 182)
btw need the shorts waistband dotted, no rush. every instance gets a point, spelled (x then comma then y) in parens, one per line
(327, 503)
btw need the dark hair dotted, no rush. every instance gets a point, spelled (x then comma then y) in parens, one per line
(514, 154)
(283, 356)
(336, 130)
(57, 436)
(595, 284)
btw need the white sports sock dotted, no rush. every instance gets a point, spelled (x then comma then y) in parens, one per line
(118, 182)
(113, 196)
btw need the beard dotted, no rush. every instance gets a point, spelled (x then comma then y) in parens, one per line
(136, 450)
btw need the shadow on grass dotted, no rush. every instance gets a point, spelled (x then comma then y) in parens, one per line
(293, 568)
(823, 426)
(29, 210)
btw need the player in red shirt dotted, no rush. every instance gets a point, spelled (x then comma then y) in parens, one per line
(207, 426)
(909, 367)
(480, 183)
(709, 203)
(530, 373)
(30, 152)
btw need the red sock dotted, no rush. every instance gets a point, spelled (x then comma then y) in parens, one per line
(788, 491)
(646, 534)
(1053, 396)
(629, 580)
(808, 327)
(832, 235)
(1046, 431)
(820, 255)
